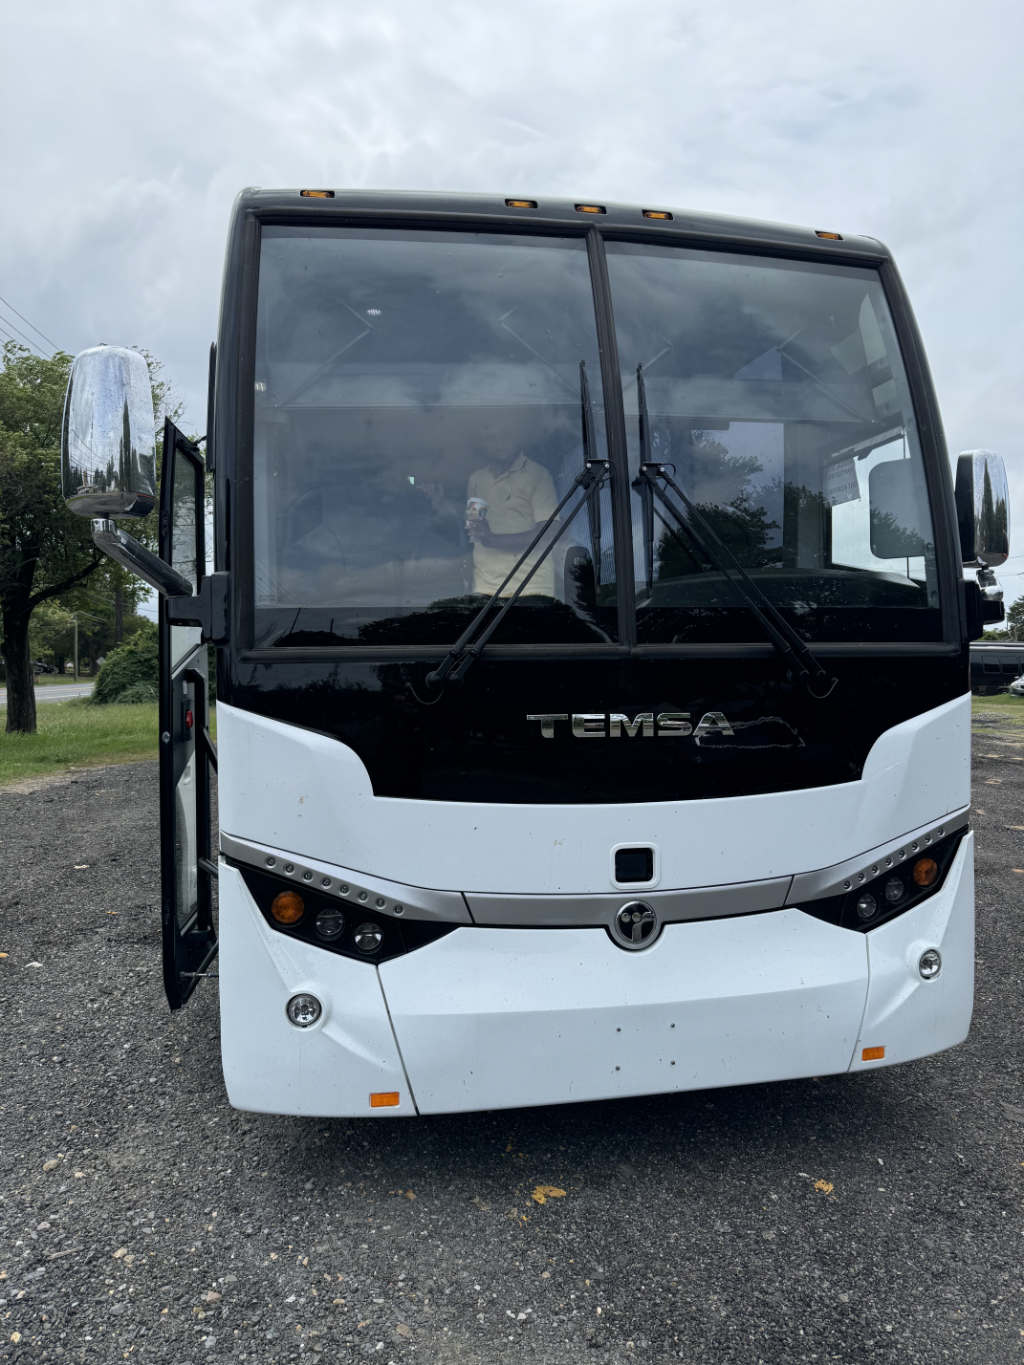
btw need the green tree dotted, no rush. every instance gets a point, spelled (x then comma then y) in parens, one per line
(1014, 621)
(52, 632)
(46, 552)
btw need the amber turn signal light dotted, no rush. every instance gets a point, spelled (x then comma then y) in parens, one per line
(872, 1054)
(287, 907)
(926, 871)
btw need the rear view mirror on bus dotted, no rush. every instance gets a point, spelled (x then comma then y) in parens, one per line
(982, 508)
(899, 515)
(108, 461)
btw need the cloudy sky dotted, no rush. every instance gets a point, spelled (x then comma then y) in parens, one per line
(129, 128)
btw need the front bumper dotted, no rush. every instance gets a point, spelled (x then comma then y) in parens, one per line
(504, 1017)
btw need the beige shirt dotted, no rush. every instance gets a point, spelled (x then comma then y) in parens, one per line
(517, 499)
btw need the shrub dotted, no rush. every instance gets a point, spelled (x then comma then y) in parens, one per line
(128, 667)
(139, 692)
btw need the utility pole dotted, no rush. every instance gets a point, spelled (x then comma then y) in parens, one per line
(75, 619)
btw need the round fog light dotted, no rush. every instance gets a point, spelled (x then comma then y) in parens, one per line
(303, 1010)
(930, 963)
(893, 890)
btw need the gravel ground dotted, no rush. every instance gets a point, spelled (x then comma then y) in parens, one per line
(843, 1219)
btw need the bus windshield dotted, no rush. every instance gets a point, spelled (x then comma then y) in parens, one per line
(418, 418)
(777, 399)
(418, 414)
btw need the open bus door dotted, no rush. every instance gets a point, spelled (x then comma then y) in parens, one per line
(187, 755)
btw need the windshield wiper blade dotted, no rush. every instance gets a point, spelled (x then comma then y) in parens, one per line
(471, 642)
(704, 537)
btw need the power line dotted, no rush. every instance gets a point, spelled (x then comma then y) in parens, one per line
(34, 345)
(31, 324)
(9, 335)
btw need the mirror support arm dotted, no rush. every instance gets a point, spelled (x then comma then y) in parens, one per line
(134, 557)
(208, 608)
(992, 609)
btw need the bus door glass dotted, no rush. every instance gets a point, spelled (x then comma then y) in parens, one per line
(186, 753)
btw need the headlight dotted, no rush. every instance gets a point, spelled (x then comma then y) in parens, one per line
(891, 893)
(354, 928)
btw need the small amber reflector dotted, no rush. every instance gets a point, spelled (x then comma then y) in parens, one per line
(656, 213)
(926, 871)
(384, 1099)
(829, 236)
(317, 194)
(872, 1054)
(521, 203)
(590, 208)
(287, 907)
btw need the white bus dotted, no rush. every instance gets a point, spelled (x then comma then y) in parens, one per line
(591, 639)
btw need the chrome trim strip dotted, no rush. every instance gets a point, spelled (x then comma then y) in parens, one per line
(580, 912)
(371, 893)
(842, 877)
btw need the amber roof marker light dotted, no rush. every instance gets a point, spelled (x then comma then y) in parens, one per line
(662, 214)
(829, 236)
(520, 203)
(316, 194)
(590, 208)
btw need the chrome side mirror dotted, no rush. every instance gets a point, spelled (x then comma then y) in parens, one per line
(108, 459)
(982, 509)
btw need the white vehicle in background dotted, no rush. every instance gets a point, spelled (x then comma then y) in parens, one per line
(1016, 688)
(653, 772)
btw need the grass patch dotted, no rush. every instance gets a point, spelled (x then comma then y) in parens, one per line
(1009, 710)
(56, 679)
(61, 679)
(74, 734)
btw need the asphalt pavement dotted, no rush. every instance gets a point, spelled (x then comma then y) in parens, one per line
(55, 692)
(844, 1219)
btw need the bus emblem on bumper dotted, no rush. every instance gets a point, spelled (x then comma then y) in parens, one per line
(635, 926)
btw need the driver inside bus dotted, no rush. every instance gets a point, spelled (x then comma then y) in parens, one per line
(508, 500)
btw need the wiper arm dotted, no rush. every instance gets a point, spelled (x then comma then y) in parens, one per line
(593, 501)
(471, 642)
(698, 529)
